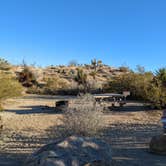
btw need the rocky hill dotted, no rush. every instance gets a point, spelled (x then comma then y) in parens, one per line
(100, 74)
(73, 77)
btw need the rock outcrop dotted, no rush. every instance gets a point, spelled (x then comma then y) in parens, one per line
(73, 151)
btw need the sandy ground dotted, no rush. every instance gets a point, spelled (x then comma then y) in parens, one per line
(28, 120)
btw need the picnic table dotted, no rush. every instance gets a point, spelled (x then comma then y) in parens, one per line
(106, 99)
(112, 99)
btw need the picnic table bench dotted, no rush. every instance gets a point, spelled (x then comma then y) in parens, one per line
(107, 99)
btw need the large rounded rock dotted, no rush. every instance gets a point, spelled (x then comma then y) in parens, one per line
(73, 151)
(158, 144)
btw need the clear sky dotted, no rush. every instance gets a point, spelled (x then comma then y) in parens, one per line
(119, 32)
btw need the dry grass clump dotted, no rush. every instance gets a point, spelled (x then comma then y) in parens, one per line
(82, 118)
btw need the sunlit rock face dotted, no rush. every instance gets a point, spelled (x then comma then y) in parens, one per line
(73, 151)
(158, 144)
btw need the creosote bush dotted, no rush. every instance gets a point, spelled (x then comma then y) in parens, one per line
(10, 87)
(82, 118)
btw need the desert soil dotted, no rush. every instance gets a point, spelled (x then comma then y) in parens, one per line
(28, 120)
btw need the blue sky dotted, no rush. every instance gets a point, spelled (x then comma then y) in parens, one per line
(119, 32)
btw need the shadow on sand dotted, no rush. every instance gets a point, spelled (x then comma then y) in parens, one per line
(130, 144)
(38, 109)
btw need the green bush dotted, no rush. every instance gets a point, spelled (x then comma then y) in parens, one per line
(10, 87)
(136, 83)
(143, 86)
(161, 76)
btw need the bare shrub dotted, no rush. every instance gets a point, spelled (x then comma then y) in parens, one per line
(82, 118)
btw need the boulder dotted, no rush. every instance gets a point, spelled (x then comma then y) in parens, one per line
(158, 144)
(73, 151)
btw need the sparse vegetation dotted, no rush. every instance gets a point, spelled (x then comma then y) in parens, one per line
(83, 118)
(95, 78)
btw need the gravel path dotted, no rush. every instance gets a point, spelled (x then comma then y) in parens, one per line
(129, 130)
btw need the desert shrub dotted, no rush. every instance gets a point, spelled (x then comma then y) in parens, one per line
(35, 90)
(81, 79)
(82, 118)
(143, 86)
(54, 84)
(156, 95)
(4, 65)
(10, 87)
(136, 83)
(161, 76)
(124, 68)
(26, 77)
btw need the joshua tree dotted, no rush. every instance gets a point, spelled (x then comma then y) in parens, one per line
(81, 78)
(96, 64)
